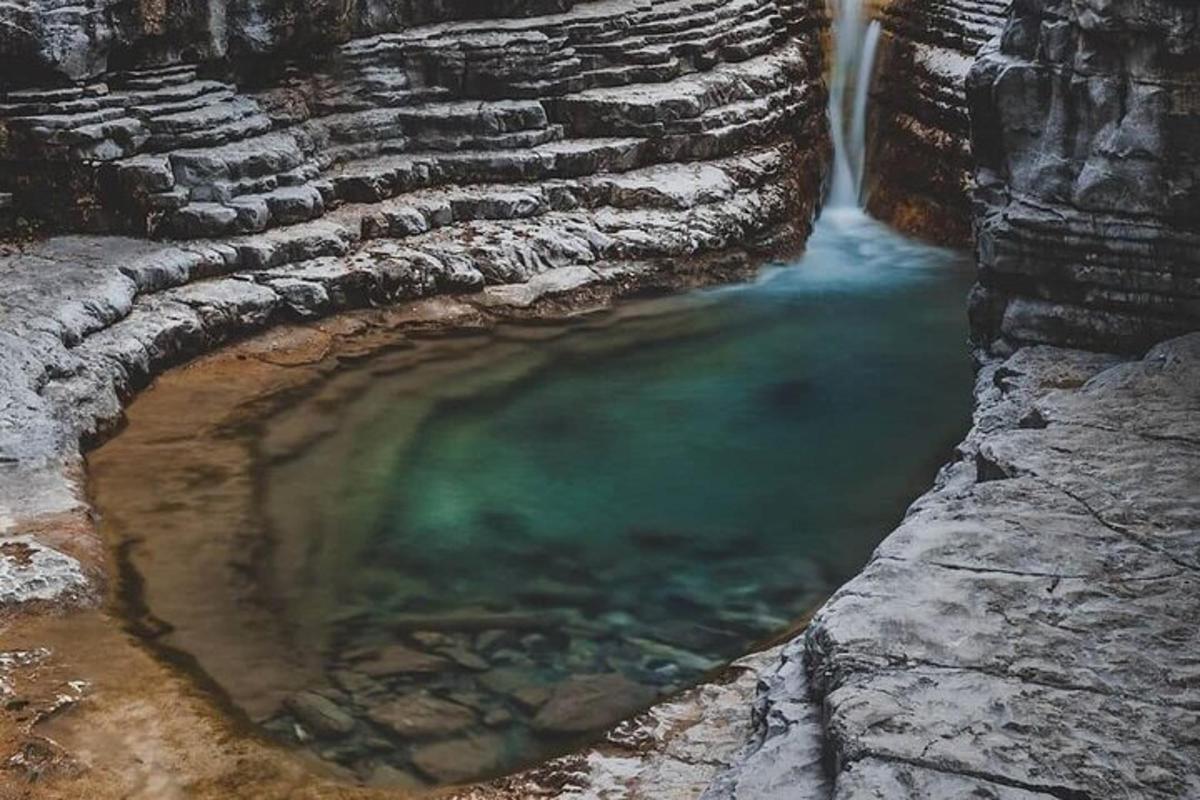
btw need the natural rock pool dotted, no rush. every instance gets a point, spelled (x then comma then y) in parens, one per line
(450, 559)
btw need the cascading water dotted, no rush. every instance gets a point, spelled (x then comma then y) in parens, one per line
(856, 39)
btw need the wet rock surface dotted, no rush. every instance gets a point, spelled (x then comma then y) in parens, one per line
(1085, 131)
(1023, 633)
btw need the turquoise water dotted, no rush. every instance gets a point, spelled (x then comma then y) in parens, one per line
(647, 494)
(469, 553)
(759, 453)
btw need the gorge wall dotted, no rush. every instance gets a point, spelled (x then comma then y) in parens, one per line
(223, 118)
(1086, 129)
(919, 159)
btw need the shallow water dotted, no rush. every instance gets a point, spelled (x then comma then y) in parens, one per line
(450, 543)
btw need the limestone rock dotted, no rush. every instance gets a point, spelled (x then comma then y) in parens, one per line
(30, 571)
(1087, 137)
(919, 160)
(1025, 632)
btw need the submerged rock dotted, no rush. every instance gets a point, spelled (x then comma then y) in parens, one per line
(518, 684)
(422, 715)
(398, 659)
(462, 759)
(319, 715)
(584, 703)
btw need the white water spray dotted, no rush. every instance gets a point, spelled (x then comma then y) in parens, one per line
(856, 38)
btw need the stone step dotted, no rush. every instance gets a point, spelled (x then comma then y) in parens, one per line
(207, 117)
(58, 121)
(190, 96)
(595, 110)
(268, 154)
(153, 79)
(238, 129)
(35, 108)
(388, 176)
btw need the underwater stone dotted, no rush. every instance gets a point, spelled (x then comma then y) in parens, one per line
(590, 702)
(320, 715)
(420, 715)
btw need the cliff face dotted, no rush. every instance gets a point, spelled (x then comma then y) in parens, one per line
(919, 160)
(1086, 128)
(157, 133)
(49, 41)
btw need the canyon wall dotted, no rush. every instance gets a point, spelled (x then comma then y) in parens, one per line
(54, 41)
(170, 120)
(1086, 129)
(919, 160)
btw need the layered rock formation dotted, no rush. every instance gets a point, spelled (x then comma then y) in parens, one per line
(1086, 128)
(609, 86)
(919, 160)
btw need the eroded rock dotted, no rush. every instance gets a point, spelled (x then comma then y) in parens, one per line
(1086, 132)
(1024, 632)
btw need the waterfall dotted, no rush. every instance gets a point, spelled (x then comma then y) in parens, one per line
(856, 38)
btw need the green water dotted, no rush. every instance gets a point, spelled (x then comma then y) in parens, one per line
(469, 553)
(647, 495)
(752, 459)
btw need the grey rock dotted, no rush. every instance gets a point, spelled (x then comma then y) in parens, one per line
(30, 571)
(1085, 133)
(1028, 615)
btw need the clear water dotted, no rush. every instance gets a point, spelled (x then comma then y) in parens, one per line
(649, 496)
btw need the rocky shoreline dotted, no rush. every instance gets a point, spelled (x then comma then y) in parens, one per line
(1040, 540)
(61, 703)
